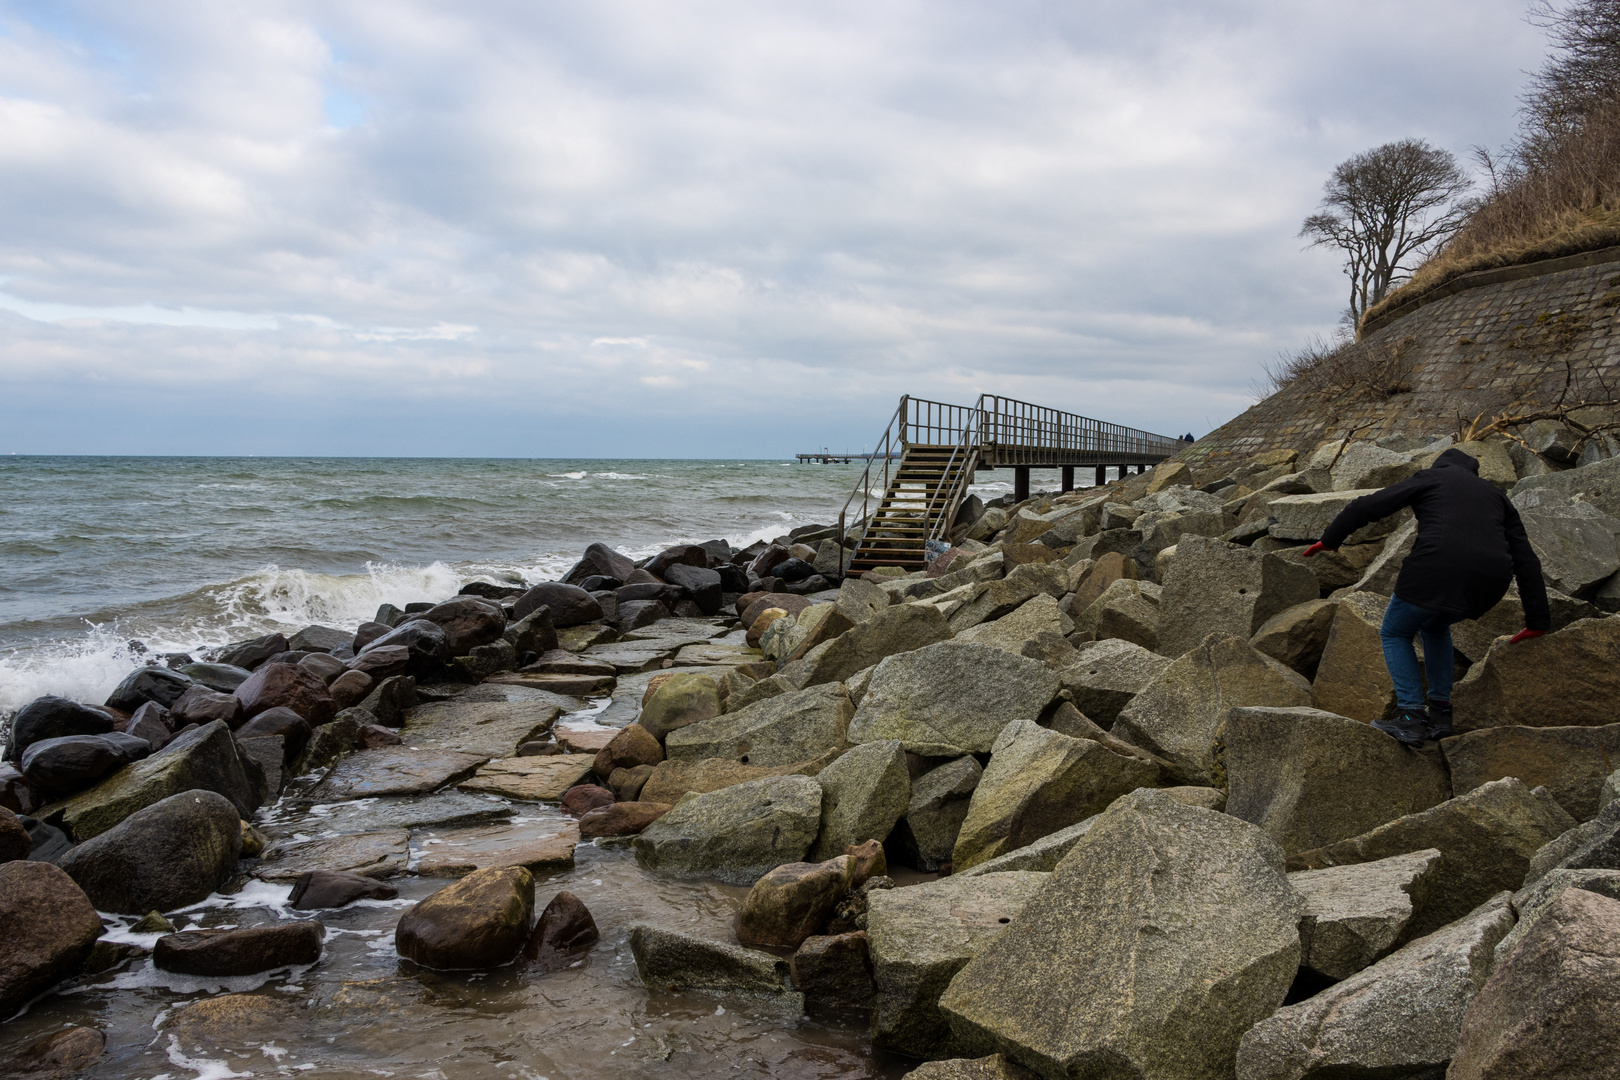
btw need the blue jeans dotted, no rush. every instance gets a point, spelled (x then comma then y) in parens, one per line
(1402, 623)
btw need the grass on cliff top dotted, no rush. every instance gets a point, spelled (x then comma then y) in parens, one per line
(1565, 203)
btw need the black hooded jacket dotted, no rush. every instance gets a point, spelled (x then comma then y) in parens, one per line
(1470, 542)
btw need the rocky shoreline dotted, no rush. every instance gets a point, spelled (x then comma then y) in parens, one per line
(1095, 794)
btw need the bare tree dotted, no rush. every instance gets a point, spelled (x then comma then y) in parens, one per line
(1580, 78)
(1387, 206)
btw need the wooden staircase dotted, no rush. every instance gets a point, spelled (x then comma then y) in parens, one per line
(916, 496)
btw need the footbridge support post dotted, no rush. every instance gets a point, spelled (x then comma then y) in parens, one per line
(1020, 482)
(1068, 478)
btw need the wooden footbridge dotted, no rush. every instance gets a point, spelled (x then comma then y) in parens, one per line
(918, 475)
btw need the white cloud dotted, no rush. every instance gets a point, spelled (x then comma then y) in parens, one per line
(813, 209)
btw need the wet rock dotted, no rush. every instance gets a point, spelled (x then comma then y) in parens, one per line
(459, 852)
(793, 902)
(1509, 687)
(1570, 762)
(293, 730)
(601, 560)
(569, 604)
(920, 937)
(1108, 675)
(633, 745)
(394, 771)
(380, 662)
(149, 684)
(777, 731)
(367, 633)
(389, 699)
(950, 699)
(1202, 941)
(1178, 716)
(16, 794)
(668, 960)
(250, 654)
(492, 728)
(371, 854)
(562, 936)
(53, 718)
(200, 705)
(320, 889)
(1038, 782)
(834, 970)
(1217, 587)
(479, 922)
(427, 646)
(375, 737)
(621, 819)
(625, 784)
(736, 834)
(1399, 1017)
(74, 762)
(699, 583)
(173, 853)
(1297, 636)
(69, 1052)
(15, 842)
(1354, 915)
(899, 629)
(50, 928)
(940, 798)
(202, 759)
(863, 794)
(585, 798)
(1310, 778)
(222, 677)
(467, 622)
(332, 741)
(1486, 837)
(1351, 677)
(533, 633)
(264, 760)
(993, 1067)
(1544, 1012)
(226, 953)
(536, 779)
(286, 685)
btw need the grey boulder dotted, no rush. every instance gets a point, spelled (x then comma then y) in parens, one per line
(736, 834)
(863, 794)
(1108, 675)
(1354, 915)
(173, 853)
(776, 731)
(1217, 587)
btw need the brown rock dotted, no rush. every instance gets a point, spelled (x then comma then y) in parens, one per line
(50, 928)
(626, 784)
(69, 1052)
(319, 889)
(633, 745)
(16, 794)
(479, 922)
(234, 1020)
(583, 798)
(1110, 568)
(621, 819)
(1511, 685)
(1015, 555)
(793, 902)
(375, 736)
(870, 861)
(669, 780)
(200, 705)
(1570, 762)
(297, 688)
(350, 689)
(467, 622)
(225, 953)
(382, 662)
(15, 843)
(460, 852)
(834, 970)
(563, 935)
(1352, 679)
(1298, 635)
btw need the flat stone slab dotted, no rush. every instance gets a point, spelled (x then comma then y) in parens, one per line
(542, 846)
(562, 684)
(376, 854)
(394, 770)
(625, 708)
(533, 779)
(633, 657)
(377, 815)
(492, 729)
(499, 688)
(716, 654)
(685, 630)
(584, 740)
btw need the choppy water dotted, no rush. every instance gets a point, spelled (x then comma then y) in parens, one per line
(181, 553)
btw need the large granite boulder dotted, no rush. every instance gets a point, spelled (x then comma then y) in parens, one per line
(1127, 610)
(50, 928)
(950, 698)
(1570, 762)
(670, 960)
(52, 717)
(74, 762)
(599, 560)
(736, 834)
(1511, 685)
(863, 794)
(290, 686)
(683, 699)
(1217, 587)
(1038, 782)
(1591, 845)
(570, 605)
(1575, 542)
(1180, 714)
(1306, 517)
(1162, 937)
(940, 798)
(1108, 675)
(481, 921)
(1354, 915)
(200, 705)
(669, 780)
(920, 937)
(1351, 677)
(1548, 1010)
(901, 628)
(467, 622)
(1366, 465)
(240, 950)
(1298, 635)
(203, 759)
(149, 684)
(777, 731)
(1597, 484)
(1103, 572)
(1311, 778)
(1400, 1017)
(1486, 838)
(166, 856)
(793, 902)
(1036, 616)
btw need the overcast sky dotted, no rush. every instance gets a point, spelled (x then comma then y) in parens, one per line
(689, 229)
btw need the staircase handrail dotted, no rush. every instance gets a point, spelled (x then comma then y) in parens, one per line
(863, 486)
(966, 452)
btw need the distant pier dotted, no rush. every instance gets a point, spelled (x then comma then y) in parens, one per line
(827, 457)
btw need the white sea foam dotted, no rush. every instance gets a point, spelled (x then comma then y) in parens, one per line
(274, 598)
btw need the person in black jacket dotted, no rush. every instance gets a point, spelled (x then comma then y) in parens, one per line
(1470, 545)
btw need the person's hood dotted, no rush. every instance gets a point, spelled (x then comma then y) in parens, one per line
(1456, 459)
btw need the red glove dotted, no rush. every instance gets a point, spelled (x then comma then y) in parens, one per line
(1318, 546)
(1523, 634)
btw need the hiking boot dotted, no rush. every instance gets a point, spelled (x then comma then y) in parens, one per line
(1440, 720)
(1409, 726)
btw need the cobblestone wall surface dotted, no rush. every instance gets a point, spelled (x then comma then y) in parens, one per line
(1480, 351)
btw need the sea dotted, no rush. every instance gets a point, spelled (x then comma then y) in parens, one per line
(104, 560)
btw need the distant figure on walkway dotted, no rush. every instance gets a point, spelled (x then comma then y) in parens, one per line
(1470, 545)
